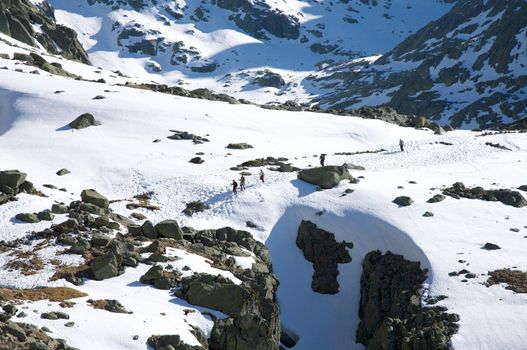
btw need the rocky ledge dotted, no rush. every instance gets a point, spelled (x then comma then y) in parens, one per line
(392, 315)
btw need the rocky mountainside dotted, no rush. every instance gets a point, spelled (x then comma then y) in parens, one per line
(468, 68)
(35, 25)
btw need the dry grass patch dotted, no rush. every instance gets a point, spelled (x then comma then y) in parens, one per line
(516, 280)
(52, 294)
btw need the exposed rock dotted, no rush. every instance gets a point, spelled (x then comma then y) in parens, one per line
(195, 207)
(428, 214)
(436, 198)
(239, 146)
(106, 266)
(491, 246)
(20, 20)
(83, 121)
(12, 178)
(110, 305)
(321, 248)
(391, 313)
(268, 78)
(196, 160)
(161, 278)
(325, 177)
(169, 229)
(63, 172)
(170, 342)
(29, 218)
(505, 196)
(403, 201)
(93, 197)
(59, 209)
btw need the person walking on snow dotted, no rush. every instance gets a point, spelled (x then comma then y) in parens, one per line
(322, 159)
(234, 186)
(262, 175)
(401, 144)
(242, 183)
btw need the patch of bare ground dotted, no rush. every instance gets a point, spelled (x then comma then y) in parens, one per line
(516, 280)
(65, 271)
(143, 201)
(51, 293)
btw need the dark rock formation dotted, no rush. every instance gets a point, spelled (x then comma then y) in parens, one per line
(505, 196)
(18, 19)
(391, 313)
(403, 201)
(83, 121)
(321, 248)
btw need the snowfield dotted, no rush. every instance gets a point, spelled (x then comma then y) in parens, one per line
(119, 159)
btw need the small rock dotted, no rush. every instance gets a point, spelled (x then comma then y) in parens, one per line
(63, 172)
(428, 214)
(403, 201)
(491, 246)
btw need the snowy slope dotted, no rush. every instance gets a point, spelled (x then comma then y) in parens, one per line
(119, 159)
(178, 42)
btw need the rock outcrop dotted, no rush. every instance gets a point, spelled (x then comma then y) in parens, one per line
(391, 313)
(20, 18)
(505, 196)
(13, 182)
(321, 248)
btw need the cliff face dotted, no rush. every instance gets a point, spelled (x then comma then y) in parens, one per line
(36, 26)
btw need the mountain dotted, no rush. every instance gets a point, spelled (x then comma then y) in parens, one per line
(468, 69)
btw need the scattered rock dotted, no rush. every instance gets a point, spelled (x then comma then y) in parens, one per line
(506, 196)
(239, 146)
(83, 121)
(195, 207)
(403, 201)
(29, 218)
(436, 198)
(63, 172)
(196, 160)
(491, 246)
(109, 305)
(428, 214)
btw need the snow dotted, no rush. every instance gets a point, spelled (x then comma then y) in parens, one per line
(119, 159)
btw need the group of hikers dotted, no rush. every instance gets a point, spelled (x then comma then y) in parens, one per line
(262, 175)
(242, 182)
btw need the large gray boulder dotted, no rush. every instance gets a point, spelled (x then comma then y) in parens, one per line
(169, 229)
(12, 178)
(93, 197)
(325, 177)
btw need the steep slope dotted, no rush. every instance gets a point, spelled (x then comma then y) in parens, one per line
(468, 69)
(34, 24)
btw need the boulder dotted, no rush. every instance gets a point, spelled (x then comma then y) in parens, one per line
(160, 278)
(106, 266)
(59, 209)
(325, 177)
(169, 229)
(149, 230)
(436, 198)
(63, 172)
(403, 201)
(93, 197)
(239, 146)
(45, 215)
(491, 246)
(83, 121)
(12, 178)
(196, 160)
(29, 218)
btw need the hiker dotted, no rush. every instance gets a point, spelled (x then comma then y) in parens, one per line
(234, 186)
(401, 144)
(242, 183)
(262, 175)
(322, 159)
